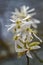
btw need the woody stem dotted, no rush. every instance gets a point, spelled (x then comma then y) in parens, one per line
(27, 60)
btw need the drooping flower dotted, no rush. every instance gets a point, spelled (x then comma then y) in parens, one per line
(27, 48)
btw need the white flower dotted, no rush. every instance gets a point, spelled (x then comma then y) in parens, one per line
(26, 35)
(24, 26)
(33, 48)
(20, 16)
(29, 31)
(35, 22)
(18, 43)
(29, 47)
(22, 49)
(37, 37)
(25, 16)
(16, 25)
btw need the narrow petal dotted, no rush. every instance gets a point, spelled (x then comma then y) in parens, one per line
(27, 7)
(31, 10)
(29, 16)
(37, 37)
(35, 47)
(34, 25)
(23, 8)
(32, 14)
(8, 25)
(27, 23)
(16, 11)
(36, 21)
(20, 44)
(30, 37)
(11, 27)
(27, 46)
(28, 54)
(23, 36)
(21, 50)
(12, 20)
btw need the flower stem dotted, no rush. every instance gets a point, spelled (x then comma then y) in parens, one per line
(27, 60)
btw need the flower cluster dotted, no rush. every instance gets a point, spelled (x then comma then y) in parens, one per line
(24, 27)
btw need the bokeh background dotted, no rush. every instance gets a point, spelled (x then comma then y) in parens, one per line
(6, 7)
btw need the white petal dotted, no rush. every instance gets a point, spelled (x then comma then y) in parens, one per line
(29, 16)
(16, 11)
(30, 37)
(27, 46)
(23, 36)
(21, 50)
(23, 8)
(11, 27)
(27, 23)
(34, 25)
(8, 25)
(32, 14)
(20, 44)
(36, 21)
(31, 10)
(35, 47)
(37, 37)
(28, 54)
(27, 7)
(12, 20)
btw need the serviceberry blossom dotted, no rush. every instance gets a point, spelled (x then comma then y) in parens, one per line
(24, 27)
(23, 16)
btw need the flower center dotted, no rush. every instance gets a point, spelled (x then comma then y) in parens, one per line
(27, 29)
(15, 37)
(18, 26)
(28, 19)
(18, 21)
